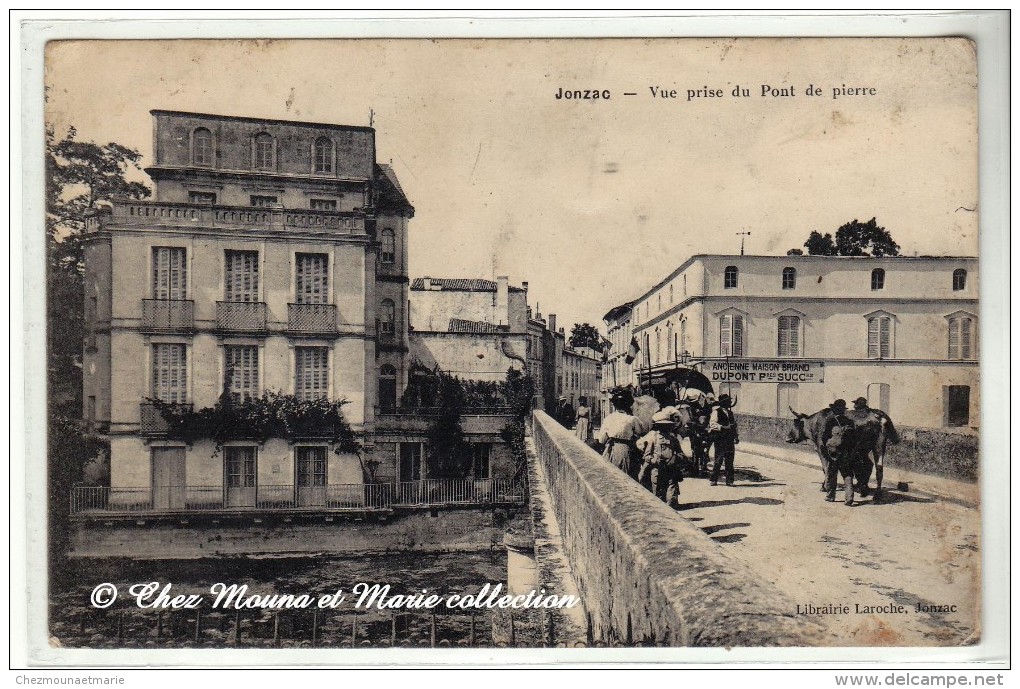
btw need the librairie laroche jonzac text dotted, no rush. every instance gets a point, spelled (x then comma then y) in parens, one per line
(738, 91)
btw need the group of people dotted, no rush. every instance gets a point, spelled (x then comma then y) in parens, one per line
(651, 453)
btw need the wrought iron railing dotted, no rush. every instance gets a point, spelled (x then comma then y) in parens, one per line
(151, 421)
(333, 497)
(241, 316)
(168, 315)
(312, 319)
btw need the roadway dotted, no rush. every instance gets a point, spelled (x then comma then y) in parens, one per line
(865, 568)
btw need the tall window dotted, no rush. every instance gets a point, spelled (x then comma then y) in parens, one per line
(242, 276)
(323, 155)
(480, 461)
(410, 462)
(959, 279)
(670, 344)
(658, 345)
(170, 373)
(169, 273)
(311, 466)
(262, 153)
(311, 372)
(239, 466)
(658, 298)
(387, 317)
(202, 147)
(878, 278)
(389, 246)
(683, 335)
(789, 278)
(957, 405)
(312, 279)
(731, 335)
(879, 337)
(241, 372)
(671, 294)
(387, 387)
(789, 336)
(961, 337)
(730, 277)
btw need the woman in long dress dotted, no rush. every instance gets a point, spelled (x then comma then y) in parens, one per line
(582, 421)
(618, 433)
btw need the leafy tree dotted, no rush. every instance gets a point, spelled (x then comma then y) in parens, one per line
(79, 177)
(818, 244)
(518, 392)
(449, 453)
(865, 239)
(585, 335)
(855, 238)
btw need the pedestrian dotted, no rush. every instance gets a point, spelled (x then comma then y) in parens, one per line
(564, 413)
(723, 427)
(838, 440)
(582, 420)
(618, 432)
(661, 469)
(861, 404)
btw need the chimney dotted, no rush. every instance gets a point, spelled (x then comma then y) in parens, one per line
(502, 300)
(524, 284)
(529, 313)
(552, 322)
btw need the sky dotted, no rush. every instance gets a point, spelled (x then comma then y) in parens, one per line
(590, 201)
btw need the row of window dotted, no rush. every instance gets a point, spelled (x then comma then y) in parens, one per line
(731, 276)
(240, 372)
(241, 279)
(208, 198)
(732, 340)
(263, 152)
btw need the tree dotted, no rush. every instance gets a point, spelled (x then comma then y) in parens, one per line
(449, 454)
(585, 335)
(79, 176)
(855, 238)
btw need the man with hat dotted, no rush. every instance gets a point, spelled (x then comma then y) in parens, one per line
(861, 404)
(565, 413)
(723, 426)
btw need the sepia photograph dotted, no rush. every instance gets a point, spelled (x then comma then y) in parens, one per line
(443, 344)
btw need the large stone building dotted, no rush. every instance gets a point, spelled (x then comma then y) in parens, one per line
(272, 258)
(799, 331)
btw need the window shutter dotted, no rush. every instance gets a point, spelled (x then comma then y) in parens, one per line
(242, 276)
(738, 336)
(884, 339)
(169, 273)
(312, 284)
(873, 347)
(169, 373)
(965, 341)
(725, 336)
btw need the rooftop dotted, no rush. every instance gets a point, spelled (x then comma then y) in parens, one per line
(459, 285)
(268, 120)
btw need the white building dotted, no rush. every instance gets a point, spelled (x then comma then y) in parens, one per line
(800, 331)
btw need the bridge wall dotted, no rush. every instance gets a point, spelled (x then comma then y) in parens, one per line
(647, 575)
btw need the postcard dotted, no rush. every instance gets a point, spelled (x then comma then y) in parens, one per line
(464, 345)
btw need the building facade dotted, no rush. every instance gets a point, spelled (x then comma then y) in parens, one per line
(799, 331)
(582, 377)
(272, 258)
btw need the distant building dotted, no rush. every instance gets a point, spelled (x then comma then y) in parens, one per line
(582, 376)
(536, 357)
(617, 370)
(799, 331)
(471, 328)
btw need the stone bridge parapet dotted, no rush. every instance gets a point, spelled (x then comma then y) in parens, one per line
(645, 574)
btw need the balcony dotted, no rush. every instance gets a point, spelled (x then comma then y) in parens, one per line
(168, 315)
(151, 423)
(311, 319)
(355, 497)
(241, 218)
(241, 316)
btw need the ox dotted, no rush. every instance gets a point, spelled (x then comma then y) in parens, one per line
(863, 449)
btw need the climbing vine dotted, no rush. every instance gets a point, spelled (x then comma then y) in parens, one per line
(273, 415)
